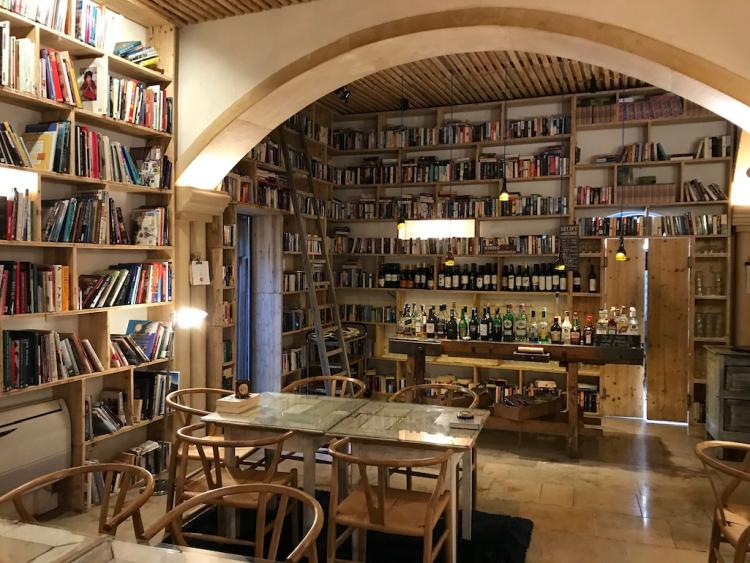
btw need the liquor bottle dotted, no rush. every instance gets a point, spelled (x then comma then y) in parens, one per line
(533, 327)
(402, 278)
(474, 325)
(612, 323)
(463, 326)
(555, 280)
(555, 331)
(497, 326)
(442, 322)
(575, 331)
(593, 281)
(455, 277)
(404, 323)
(430, 278)
(588, 331)
(479, 280)
(416, 320)
(576, 282)
(600, 335)
(431, 325)
(563, 282)
(521, 327)
(634, 330)
(526, 279)
(465, 278)
(448, 278)
(504, 279)
(441, 278)
(566, 327)
(490, 278)
(535, 278)
(543, 327)
(519, 278)
(508, 323)
(452, 328)
(511, 279)
(548, 278)
(542, 278)
(485, 326)
(381, 276)
(473, 277)
(622, 322)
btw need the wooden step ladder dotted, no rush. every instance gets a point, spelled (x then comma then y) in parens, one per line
(339, 347)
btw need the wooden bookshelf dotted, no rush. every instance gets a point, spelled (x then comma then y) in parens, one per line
(96, 325)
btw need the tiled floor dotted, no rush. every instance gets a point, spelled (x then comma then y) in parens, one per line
(637, 494)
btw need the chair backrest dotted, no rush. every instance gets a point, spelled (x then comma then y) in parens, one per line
(125, 476)
(277, 496)
(374, 493)
(724, 478)
(335, 386)
(178, 402)
(437, 393)
(212, 463)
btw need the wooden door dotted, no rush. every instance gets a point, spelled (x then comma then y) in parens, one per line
(622, 387)
(669, 356)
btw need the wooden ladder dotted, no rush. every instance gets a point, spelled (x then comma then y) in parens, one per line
(339, 349)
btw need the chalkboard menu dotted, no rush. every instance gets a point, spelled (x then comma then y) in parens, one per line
(569, 246)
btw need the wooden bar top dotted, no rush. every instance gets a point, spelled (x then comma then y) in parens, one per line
(562, 353)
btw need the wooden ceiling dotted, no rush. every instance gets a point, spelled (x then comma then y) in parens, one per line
(184, 12)
(477, 77)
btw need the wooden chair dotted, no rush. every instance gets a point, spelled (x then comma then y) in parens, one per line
(445, 394)
(266, 494)
(731, 522)
(334, 385)
(379, 507)
(130, 477)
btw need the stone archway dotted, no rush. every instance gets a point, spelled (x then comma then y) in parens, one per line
(243, 124)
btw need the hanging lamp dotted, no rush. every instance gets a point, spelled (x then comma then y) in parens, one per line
(504, 195)
(560, 262)
(449, 259)
(621, 255)
(403, 104)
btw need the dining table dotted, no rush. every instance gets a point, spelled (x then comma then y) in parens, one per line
(318, 419)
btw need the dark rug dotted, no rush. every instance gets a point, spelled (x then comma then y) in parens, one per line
(495, 539)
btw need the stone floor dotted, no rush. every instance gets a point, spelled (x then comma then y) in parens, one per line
(637, 494)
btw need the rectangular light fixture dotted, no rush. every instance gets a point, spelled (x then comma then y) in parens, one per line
(437, 228)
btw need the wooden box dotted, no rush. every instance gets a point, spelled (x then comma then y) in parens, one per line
(542, 408)
(727, 394)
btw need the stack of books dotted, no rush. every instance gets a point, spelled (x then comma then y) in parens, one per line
(48, 146)
(58, 79)
(98, 157)
(16, 216)
(18, 60)
(150, 391)
(126, 284)
(135, 102)
(33, 288)
(89, 217)
(138, 53)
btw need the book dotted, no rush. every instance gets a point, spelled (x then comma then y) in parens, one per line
(126, 284)
(26, 287)
(150, 226)
(92, 81)
(48, 145)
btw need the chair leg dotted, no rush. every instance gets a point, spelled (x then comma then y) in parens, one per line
(331, 543)
(474, 476)
(427, 548)
(740, 550)
(361, 545)
(450, 524)
(715, 542)
(295, 521)
(408, 478)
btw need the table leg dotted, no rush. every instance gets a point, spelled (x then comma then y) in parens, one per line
(572, 390)
(453, 538)
(415, 367)
(466, 497)
(228, 514)
(308, 475)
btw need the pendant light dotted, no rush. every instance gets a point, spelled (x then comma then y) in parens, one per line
(449, 259)
(560, 262)
(621, 255)
(403, 106)
(504, 195)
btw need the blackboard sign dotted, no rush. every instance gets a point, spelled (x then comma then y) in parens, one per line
(569, 246)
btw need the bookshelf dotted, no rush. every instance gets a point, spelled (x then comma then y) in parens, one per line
(93, 324)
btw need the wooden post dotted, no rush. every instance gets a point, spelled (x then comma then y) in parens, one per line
(415, 367)
(572, 391)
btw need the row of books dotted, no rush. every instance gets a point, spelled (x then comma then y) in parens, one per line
(353, 275)
(612, 226)
(291, 243)
(137, 52)
(14, 151)
(518, 205)
(430, 169)
(135, 102)
(630, 194)
(344, 244)
(226, 351)
(17, 216)
(695, 190)
(525, 244)
(96, 25)
(293, 359)
(374, 170)
(143, 341)
(150, 390)
(98, 157)
(52, 13)
(538, 127)
(311, 128)
(642, 152)
(18, 61)
(406, 206)
(126, 284)
(229, 236)
(448, 133)
(368, 313)
(58, 79)
(270, 191)
(607, 110)
(106, 415)
(267, 152)
(26, 287)
(661, 225)
(548, 162)
(293, 319)
(714, 147)
(35, 357)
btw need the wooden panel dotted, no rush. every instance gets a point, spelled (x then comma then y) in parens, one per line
(477, 77)
(622, 390)
(669, 314)
(183, 12)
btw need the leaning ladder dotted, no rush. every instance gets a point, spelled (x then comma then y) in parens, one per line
(324, 353)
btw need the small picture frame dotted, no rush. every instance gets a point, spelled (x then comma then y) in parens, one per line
(242, 389)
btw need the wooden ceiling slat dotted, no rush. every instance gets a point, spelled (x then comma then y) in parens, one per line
(511, 59)
(192, 8)
(511, 88)
(432, 86)
(580, 79)
(546, 65)
(402, 84)
(185, 12)
(471, 80)
(176, 11)
(458, 93)
(488, 72)
(535, 71)
(477, 68)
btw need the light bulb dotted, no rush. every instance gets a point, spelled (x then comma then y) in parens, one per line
(449, 260)
(621, 255)
(189, 317)
(504, 195)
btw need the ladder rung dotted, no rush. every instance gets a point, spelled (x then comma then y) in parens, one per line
(334, 351)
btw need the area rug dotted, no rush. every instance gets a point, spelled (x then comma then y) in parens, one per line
(495, 539)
